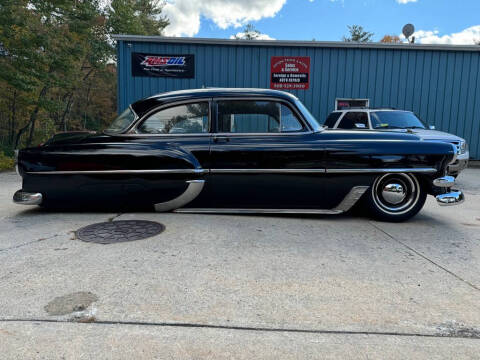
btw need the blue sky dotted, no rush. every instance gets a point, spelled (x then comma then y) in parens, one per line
(435, 20)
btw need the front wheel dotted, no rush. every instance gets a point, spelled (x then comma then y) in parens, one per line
(395, 197)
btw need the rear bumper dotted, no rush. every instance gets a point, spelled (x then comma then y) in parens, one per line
(27, 198)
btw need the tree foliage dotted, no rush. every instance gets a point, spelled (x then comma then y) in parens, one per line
(391, 39)
(358, 34)
(58, 64)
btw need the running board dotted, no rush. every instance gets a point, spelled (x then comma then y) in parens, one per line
(346, 204)
(256, 211)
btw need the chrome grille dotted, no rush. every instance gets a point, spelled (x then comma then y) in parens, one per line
(457, 146)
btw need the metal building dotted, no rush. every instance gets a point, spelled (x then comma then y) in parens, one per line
(441, 83)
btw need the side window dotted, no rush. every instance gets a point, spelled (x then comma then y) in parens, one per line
(180, 119)
(250, 116)
(332, 119)
(354, 120)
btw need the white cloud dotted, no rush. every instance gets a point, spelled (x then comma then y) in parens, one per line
(241, 35)
(185, 15)
(465, 37)
(405, 1)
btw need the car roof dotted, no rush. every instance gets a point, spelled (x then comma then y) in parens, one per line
(144, 105)
(370, 110)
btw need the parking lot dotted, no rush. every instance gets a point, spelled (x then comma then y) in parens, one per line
(220, 286)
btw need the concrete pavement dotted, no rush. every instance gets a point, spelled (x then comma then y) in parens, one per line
(214, 286)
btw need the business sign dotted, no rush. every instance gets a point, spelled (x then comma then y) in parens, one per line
(179, 66)
(290, 72)
(341, 104)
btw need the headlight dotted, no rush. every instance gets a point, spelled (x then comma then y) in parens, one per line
(463, 147)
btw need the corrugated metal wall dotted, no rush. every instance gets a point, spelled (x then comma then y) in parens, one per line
(441, 86)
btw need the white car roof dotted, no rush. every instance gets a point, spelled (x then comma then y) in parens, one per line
(368, 110)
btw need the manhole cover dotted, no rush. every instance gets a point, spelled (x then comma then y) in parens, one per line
(119, 231)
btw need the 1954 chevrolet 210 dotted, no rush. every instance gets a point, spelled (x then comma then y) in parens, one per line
(236, 151)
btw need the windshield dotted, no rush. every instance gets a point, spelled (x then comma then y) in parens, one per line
(122, 122)
(395, 120)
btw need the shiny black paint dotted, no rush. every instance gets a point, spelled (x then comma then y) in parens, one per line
(321, 150)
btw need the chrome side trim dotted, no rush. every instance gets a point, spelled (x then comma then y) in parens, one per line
(351, 199)
(237, 171)
(346, 204)
(193, 190)
(256, 211)
(267, 171)
(381, 170)
(27, 198)
(455, 197)
(100, 172)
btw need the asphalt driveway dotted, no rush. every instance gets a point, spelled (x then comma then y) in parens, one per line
(213, 286)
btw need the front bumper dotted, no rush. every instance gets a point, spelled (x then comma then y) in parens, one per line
(460, 163)
(450, 196)
(454, 197)
(27, 198)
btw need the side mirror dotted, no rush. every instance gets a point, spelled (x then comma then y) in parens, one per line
(431, 127)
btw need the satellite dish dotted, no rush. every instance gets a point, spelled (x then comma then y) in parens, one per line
(408, 30)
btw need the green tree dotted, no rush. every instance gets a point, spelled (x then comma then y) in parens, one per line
(358, 34)
(136, 17)
(57, 62)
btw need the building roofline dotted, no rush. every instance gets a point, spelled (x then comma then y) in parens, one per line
(293, 43)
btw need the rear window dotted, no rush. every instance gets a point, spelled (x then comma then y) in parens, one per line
(332, 119)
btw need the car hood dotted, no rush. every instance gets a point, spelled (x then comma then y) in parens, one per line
(427, 134)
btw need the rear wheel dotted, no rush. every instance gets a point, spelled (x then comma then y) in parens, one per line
(396, 197)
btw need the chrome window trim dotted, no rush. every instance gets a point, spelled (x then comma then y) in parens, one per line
(135, 120)
(174, 104)
(306, 125)
(131, 130)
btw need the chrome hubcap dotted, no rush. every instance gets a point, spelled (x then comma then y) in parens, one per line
(394, 193)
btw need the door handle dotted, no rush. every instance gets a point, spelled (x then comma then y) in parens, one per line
(221, 139)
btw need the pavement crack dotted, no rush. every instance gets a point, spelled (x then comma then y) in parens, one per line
(29, 243)
(110, 219)
(425, 257)
(454, 335)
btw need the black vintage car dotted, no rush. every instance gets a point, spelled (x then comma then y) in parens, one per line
(236, 151)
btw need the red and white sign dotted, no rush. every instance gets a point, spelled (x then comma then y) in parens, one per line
(290, 72)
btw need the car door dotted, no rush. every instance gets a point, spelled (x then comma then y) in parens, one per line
(264, 156)
(175, 141)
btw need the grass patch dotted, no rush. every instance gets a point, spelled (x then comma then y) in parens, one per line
(6, 162)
